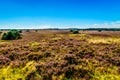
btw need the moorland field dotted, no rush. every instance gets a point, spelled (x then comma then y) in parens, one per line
(61, 55)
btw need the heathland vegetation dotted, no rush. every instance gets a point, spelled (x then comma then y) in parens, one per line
(60, 55)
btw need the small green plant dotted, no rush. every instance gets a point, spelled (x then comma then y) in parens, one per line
(75, 31)
(36, 30)
(71, 30)
(0, 33)
(20, 31)
(99, 30)
(11, 35)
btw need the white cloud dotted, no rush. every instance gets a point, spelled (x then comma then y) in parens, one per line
(115, 24)
(106, 25)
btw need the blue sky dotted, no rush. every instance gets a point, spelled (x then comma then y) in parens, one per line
(59, 13)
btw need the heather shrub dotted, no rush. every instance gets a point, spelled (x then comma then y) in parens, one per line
(34, 56)
(47, 54)
(71, 58)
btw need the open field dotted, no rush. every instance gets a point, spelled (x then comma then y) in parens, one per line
(61, 55)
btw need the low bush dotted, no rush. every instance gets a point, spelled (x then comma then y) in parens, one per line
(20, 31)
(0, 33)
(11, 35)
(36, 30)
(99, 30)
(75, 31)
(71, 30)
(34, 56)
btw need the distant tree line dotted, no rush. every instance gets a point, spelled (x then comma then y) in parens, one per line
(102, 29)
(89, 29)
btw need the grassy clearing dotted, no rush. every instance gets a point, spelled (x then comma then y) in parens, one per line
(110, 74)
(17, 73)
(108, 40)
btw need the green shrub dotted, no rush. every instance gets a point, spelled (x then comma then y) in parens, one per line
(75, 32)
(36, 30)
(11, 35)
(0, 33)
(71, 30)
(20, 31)
(99, 30)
